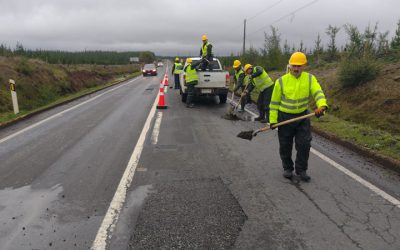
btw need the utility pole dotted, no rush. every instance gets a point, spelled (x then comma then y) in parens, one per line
(244, 37)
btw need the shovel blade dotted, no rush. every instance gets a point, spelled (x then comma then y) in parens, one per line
(247, 135)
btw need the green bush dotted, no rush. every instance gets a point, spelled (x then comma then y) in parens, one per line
(355, 72)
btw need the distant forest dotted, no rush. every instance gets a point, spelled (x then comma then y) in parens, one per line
(80, 57)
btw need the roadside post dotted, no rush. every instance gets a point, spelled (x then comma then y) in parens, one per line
(14, 96)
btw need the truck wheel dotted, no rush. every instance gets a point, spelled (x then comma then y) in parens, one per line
(184, 96)
(222, 98)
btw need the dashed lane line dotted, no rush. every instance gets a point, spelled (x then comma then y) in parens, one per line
(156, 128)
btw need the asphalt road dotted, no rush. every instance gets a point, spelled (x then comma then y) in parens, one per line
(115, 173)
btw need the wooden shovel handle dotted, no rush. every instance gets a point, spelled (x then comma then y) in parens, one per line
(287, 122)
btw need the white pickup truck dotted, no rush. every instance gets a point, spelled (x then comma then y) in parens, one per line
(214, 82)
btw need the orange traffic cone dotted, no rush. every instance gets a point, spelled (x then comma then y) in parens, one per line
(161, 98)
(165, 80)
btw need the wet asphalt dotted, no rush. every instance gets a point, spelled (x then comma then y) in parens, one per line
(198, 187)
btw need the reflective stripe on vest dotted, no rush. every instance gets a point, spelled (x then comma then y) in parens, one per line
(292, 105)
(178, 68)
(262, 81)
(204, 49)
(191, 74)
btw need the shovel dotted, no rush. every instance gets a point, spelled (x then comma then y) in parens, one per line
(231, 115)
(248, 135)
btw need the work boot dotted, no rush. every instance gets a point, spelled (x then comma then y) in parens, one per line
(190, 105)
(240, 110)
(258, 118)
(303, 176)
(287, 174)
(264, 121)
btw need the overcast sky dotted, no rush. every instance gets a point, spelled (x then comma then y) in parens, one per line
(175, 27)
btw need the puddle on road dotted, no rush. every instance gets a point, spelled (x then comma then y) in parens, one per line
(19, 209)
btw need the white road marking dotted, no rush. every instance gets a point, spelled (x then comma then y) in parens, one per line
(61, 113)
(367, 184)
(111, 218)
(354, 176)
(156, 128)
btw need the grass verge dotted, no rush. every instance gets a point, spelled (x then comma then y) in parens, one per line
(378, 141)
(10, 116)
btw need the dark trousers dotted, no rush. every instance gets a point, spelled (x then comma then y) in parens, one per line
(190, 93)
(264, 98)
(301, 133)
(176, 80)
(204, 63)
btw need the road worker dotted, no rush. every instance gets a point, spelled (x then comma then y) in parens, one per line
(206, 54)
(290, 99)
(260, 81)
(176, 69)
(240, 83)
(191, 80)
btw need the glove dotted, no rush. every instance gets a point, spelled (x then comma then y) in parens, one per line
(271, 126)
(319, 111)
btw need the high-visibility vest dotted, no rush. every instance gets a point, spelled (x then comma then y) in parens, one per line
(191, 74)
(238, 73)
(204, 49)
(178, 68)
(292, 95)
(262, 81)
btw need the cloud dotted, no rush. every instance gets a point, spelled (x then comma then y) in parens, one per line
(175, 27)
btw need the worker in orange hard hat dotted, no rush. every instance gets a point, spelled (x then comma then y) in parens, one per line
(290, 99)
(206, 53)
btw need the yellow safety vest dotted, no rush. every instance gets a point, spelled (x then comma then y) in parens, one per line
(292, 95)
(262, 81)
(178, 68)
(204, 49)
(191, 74)
(238, 73)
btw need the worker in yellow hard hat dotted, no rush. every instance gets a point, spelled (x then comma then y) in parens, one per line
(206, 53)
(260, 80)
(240, 83)
(290, 99)
(176, 70)
(191, 80)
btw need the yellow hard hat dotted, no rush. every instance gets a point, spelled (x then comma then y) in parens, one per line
(189, 60)
(177, 59)
(236, 64)
(298, 58)
(204, 37)
(247, 66)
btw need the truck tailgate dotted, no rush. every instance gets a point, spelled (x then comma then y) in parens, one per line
(211, 79)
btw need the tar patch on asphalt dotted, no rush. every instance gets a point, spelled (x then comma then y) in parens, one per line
(188, 214)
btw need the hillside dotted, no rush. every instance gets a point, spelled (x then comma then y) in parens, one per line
(39, 83)
(375, 103)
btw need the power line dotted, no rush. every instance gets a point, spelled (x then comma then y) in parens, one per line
(259, 13)
(283, 17)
